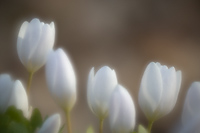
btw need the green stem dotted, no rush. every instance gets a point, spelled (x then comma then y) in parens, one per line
(69, 130)
(29, 83)
(150, 126)
(101, 126)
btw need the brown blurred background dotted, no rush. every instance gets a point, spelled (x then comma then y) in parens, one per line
(125, 35)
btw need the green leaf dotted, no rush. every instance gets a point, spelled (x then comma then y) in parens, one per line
(13, 121)
(16, 115)
(90, 130)
(15, 127)
(141, 129)
(4, 123)
(61, 129)
(4, 120)
(36, 119)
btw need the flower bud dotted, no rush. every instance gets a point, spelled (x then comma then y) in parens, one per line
(35, 40)
(159, 90)
(61, 79)
(51, 125)
(192, 105)
(6, 85)
(99, 90)
(19, 98)
(121, 111)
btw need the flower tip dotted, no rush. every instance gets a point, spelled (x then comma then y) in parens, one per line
(59, 50)
(91, 71)
(52, 25)
(51, 125)
(105, 69)
(22, 30)
(35, 20)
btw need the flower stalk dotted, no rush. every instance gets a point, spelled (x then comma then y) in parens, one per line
(30, 78)
(69, 130)
(101, 125)
(150, 125)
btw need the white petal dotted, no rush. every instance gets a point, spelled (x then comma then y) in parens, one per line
(158, 64)
(19, 98)
(45, 45)
(29, 43)
(178, 85)
(51, 125)
(192, 126)
(169, 90)
(192, 103)
(23, 29)
(6, 85)
(52, 25)
(150, 90)
(90, 88)
(121, 111)
(104, 83)
(179, 79)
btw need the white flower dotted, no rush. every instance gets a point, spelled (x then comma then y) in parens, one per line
(159, 90)
(51, 125)
(6, 85)
(121, 111)
(35, 40)
(192, 126)
(99, 90)
(61, 79)
(191, 110)
(12, 93)
(19, 98)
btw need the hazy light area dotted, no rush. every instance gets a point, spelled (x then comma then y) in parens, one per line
(125, 35)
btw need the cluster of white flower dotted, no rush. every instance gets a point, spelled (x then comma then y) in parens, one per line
(158, 92)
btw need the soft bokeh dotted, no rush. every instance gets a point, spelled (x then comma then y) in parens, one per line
(125, 35)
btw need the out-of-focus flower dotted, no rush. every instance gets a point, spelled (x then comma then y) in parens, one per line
(12, 93)
(191, 110)
(99, 90)
(121, 111)
(159, 90)
(192, 126)
(6, 85)
(51, 125)
(61, 79)
(19, 98)
(35, 40)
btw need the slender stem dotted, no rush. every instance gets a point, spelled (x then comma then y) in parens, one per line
(150, 126)
(101, 126)
(29, 83)
(69, 130)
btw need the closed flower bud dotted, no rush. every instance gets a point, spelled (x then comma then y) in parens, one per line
(191, 110)
(19, 98)
(121, 111)
(6, 85)
(99, 90)
(159, 90)
(35, 40)
(51, 125)
(61, 79)
(192, 126)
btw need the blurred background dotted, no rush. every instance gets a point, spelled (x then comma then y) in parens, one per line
(125, 35)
